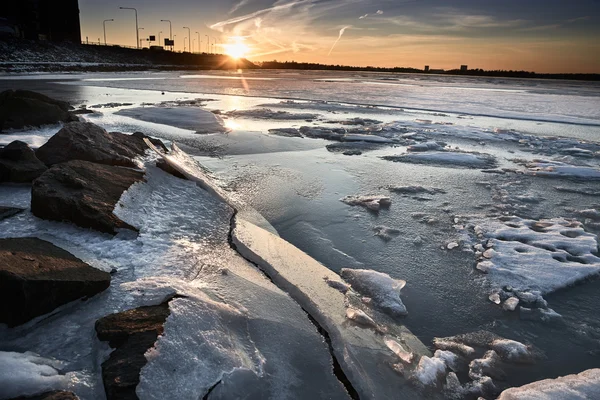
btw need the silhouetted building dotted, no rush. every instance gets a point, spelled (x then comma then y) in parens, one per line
(426, 69)
(55, 20)
(464, 68)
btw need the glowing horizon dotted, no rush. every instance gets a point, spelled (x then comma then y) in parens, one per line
(382, 33)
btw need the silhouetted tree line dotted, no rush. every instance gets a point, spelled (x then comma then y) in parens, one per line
(471, 72)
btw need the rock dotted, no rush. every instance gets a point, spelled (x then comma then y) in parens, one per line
(89, 142)
(131, 333)
(7, 212)
(157, 142)
(36, 277)
(19, 164)
(55, 395)
(83, 193)
(22, 108)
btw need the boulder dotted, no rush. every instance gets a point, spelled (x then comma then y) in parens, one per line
(84, 193)
(55, 395)
(89, 142)
(36, 277)
(22, 108)
(131, 333)
(19, 164)
(157, 142)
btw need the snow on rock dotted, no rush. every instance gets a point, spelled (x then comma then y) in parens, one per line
(446, 158)
(555, 169)
(489, 365)
(374, 203)
(512, 351)
(338, 285)
(451, 359)
(24, 374)
(511, 304)
(455, 347)
(585, 385)
(380, 287)
(536, 255)
(430, 371)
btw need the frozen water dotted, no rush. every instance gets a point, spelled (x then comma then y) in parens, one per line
(29, 374)
(190, 118)
(446, 158)
(426, 146)
(380, 287)
(585, 385)
(512, 351)
(430, 371)
(265, 113)
(530, 255)
(555, 169)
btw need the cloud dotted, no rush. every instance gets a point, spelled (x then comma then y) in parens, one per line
(339, 37)
(379, 12)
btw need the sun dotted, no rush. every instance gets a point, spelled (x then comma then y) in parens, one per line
(237, 49)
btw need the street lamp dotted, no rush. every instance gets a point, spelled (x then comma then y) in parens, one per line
(189, 36)
(137, 31)
(194, 42)
(159, 33)
(199, 43)
(184, 43)
(207, 44)
(104, 26)
(170, 29)
(140, 42)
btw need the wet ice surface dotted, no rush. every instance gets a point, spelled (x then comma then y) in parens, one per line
(297, 183)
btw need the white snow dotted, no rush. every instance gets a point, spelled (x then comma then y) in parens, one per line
(27, 373)
(450, 359)
(380, 287)
(583, 386)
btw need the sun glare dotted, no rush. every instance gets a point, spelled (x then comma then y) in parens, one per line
(237, 49)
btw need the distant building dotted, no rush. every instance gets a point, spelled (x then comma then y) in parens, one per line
(464, 68)
(54, 20)
(426, 69)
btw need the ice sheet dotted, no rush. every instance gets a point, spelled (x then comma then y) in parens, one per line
(585, 385)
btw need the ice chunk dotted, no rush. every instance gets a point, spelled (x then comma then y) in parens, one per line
(446, 158)
(398, 350)
(451, 360)
(585, 385)
(25, 374)
(555, 169)
(512, 351)
(430, 371)
(360, 317)
(537, 255)
(339, 285)
(386, 233)
(374, 203)
(384, 290)
(489, 365)
(511, 304)
(453, 346)
(426, 146)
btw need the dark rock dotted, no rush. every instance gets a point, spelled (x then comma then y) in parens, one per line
(157, 142)
(19, 164)
(131, 333)
(7, 212)
(36, 277)
(56, 395)
(162, 164)
(83, 193)
(89, 142)
(21, 108)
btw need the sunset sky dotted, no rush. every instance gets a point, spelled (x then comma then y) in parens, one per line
(537, 35)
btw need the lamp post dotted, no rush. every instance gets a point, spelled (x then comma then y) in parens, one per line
(159, 33)
(189, 36)
(194, 46)
(104, 26)
(170, 29)
(213, 45)
(137, 31)
(207, 44)
(199, 43)
(184, 44)
(139, 41)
